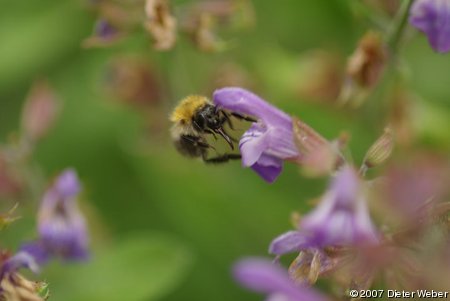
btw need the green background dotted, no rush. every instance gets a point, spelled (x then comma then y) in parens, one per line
(165, 227)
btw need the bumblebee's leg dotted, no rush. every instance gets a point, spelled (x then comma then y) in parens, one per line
(243, 117)
(231, 137)
(196, 141)
(211, 132)
(222, 159)
(226, 118)
(202, 129)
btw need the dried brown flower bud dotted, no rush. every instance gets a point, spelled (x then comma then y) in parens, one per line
(319, 76)
(203, 17)
(10, 182)
(39, 112)
(364, 68)
(387, 6)
(306, 138)
(309, 265)
(14, 287)
(380, 150)
(161, 24)
(133, 81)
(367, 62)
(305, 268)
(231, 75)
(203, 34)
(318, 156)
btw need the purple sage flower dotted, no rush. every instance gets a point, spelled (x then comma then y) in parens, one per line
(291, 241)
(105, 30)
(22, 259)
(13, 286)
(265, 277)
(432, 17)
(105, 33)
(61, 226)
(269, 141)
(341, 219)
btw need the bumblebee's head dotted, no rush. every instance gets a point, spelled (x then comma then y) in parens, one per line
(209, 118)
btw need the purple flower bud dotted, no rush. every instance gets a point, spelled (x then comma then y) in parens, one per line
(105, 29)
(105, 33)
(67, 184)
(269, 141)
(61, 226)
(432, 17)
(262, 276)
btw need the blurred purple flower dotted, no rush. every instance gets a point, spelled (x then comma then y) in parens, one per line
(15, 287)
(263, 276)
(432, 17)
(22, 259)
(341, 219)
(412, 189)
(269, 141)
(38, 250)
(291, 241)
(105, 29)
(105, 33)
(61, 226)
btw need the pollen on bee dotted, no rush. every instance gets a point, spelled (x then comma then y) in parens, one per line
(187, 108)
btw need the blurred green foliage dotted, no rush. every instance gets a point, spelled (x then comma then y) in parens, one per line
(141, 267)
(133, 178)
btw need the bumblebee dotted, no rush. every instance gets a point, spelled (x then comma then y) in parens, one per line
(193, 119)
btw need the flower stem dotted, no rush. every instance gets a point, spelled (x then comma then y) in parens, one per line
(396, 32)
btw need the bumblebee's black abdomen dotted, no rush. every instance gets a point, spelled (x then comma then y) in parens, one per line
(191, 146)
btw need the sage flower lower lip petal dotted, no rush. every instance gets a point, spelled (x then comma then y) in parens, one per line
(21, 260)
(37, 250)
(265, 277)
(274, 142)
(432, 17)
(252, 145)
(268, 172)
(289, 242)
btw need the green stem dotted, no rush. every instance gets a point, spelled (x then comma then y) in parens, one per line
(398, 27)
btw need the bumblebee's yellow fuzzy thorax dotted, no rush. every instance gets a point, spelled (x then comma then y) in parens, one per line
(187, 108)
